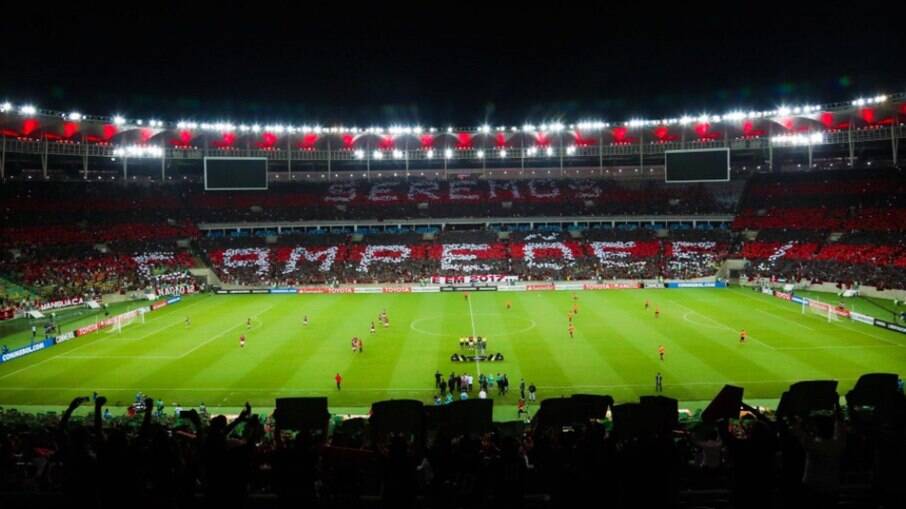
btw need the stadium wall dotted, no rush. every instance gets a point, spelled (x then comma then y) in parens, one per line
(867, 291)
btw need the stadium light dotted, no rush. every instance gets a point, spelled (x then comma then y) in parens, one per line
(75, 116)
(449, 129)
(528, 128)
(140, 151)
(360, 154)
(798, 139)
(7, 106)
(397, 154)
(549, 151)
(429, 154)
(486, 128)
(448, 153)
(532, 151)
(570, 150)
(378, 154)
(480, 154)
(503, 154)
(28, 110)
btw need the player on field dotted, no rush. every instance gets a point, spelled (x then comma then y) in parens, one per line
(188, 322)
(660, 351)
(647, 304)
(305, 320)
(743, 335)
(572, 330)
(509, 305)
(242, 341)
(657, 311)
(248, 323)
(373, 330)
(466, 296)
(570, 316)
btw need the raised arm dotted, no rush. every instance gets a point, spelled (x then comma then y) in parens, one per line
(242, 417)
(64, 421)
(98, 404)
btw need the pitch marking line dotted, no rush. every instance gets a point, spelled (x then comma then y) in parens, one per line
(234, 390)
(90, 342)
(686, 318)
(719, 324)
(257, 323)
(474, 334)
(787, 320)
(532, 325)
(835, 347)
(161, 329)
(782, 307)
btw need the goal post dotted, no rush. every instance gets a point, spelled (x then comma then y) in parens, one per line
(126, 320)
(822, 309)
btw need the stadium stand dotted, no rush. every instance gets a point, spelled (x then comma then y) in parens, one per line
(842, 227)
(407, 258)
(839, 226)
(646, 456)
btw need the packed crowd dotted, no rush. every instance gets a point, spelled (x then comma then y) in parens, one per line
(813, 459)
(846, 262)
(840, 227)
(410, 257)
(50, 204)
(50, 229)
(76, 270)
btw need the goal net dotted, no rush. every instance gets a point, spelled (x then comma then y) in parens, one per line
(125, 320)
(822, 309)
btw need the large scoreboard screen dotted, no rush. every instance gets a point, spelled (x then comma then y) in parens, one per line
(235, 173)
(706, 165)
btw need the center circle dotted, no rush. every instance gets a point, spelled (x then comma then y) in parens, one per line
(466, 326)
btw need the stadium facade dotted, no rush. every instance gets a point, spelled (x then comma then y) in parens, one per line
(39, 143)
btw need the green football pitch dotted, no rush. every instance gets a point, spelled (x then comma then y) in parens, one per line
(615, 349)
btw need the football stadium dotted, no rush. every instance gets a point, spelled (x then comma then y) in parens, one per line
(520, 313)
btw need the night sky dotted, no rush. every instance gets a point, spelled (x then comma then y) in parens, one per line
(462, 65)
